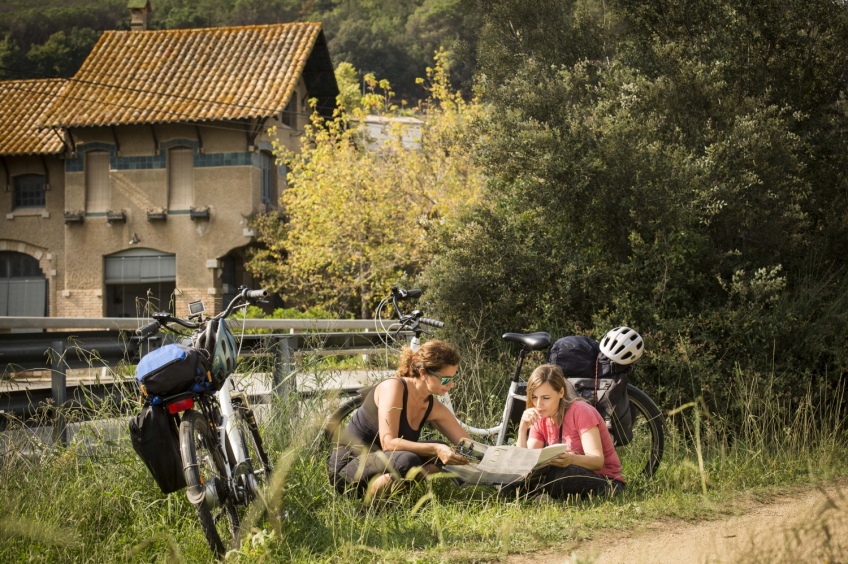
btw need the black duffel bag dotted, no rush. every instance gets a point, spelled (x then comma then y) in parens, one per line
(597, 380)
(155, 439)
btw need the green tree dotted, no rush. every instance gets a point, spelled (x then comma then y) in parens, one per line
(676, 166)
(10, 57)
(62, 54)
(359, 210)
(347, 78)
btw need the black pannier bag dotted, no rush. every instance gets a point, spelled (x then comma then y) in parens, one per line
(155, 439)
(597, 380)
(170, 370)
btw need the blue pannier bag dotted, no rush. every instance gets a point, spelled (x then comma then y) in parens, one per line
(170, 370)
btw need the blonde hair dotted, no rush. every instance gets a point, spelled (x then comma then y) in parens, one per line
(553, 375)
(433, 355)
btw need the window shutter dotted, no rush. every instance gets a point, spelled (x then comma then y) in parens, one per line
(180, 178)
(269, 173)
(98, 196)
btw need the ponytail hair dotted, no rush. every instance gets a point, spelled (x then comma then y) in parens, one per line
(433, 356)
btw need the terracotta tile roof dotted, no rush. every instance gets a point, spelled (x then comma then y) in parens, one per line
(227, 73)
(22, 103)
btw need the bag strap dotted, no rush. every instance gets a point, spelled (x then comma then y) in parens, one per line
(597, 365)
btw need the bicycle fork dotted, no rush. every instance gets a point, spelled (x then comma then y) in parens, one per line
(238, 470)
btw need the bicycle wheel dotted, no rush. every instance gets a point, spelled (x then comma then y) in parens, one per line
(335, 424)
(258, 465)
(206, 478)
(642, 456)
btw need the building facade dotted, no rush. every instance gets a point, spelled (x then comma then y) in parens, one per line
(156, 155)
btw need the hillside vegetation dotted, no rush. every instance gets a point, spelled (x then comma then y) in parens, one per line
(393, 40)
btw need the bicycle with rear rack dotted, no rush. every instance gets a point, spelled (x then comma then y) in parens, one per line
(640, 452)
(221, 453)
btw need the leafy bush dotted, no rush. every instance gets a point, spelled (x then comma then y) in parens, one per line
(639, 176)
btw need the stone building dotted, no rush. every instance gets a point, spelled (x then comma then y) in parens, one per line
(33, 179)
(134, 181)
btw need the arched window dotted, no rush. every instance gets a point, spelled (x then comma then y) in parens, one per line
(23, 287)
(30, 191)
(98, 191)
(180, 178)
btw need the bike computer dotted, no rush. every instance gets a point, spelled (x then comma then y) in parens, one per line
(195, 308)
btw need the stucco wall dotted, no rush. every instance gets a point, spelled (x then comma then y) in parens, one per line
(226, 180)
(37, 232)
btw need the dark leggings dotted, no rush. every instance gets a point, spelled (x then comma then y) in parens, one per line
(559, 483)
(346, 468)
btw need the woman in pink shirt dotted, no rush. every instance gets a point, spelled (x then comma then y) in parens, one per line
(554, 416)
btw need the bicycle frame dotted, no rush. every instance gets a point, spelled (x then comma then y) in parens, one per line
(229, 431)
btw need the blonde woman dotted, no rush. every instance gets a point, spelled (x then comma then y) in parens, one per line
(554, 416)
(382, 439)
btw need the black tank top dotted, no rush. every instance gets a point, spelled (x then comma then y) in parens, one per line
(364, 427)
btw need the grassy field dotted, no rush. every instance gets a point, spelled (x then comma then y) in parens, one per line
(94, 501)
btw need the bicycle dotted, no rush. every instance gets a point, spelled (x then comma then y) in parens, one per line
(640, 457)
(223, 457)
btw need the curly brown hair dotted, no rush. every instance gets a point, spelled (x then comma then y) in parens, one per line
(433, 355)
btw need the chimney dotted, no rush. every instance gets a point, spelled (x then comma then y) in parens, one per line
(139, 10)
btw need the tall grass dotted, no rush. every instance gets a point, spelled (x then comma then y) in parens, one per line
(93, 501)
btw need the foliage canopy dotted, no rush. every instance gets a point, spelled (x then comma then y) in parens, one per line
(386, 38)
(364, 194)
(679, 167)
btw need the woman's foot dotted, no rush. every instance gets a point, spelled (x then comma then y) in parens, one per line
(379, 487)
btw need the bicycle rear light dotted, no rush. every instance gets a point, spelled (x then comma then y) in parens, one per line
(180, 405)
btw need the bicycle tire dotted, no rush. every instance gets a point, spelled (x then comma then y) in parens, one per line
(336, 423)
(203, 463)
(641, 457)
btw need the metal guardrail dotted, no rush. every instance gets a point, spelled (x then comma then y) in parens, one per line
(60, 351)
(133, 323)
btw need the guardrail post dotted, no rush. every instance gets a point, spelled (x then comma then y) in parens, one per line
(284, 379)
(59, 389)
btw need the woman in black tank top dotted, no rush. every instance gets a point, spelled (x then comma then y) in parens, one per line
(381, 444)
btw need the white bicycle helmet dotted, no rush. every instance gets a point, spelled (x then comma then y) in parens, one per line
(622, 345)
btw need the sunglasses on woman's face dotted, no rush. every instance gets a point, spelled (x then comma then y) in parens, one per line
(445, 379)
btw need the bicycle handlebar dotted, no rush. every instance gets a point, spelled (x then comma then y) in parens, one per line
(431, 322)
(413, 321)
(401, 294)
(244, 295)
(148, 329)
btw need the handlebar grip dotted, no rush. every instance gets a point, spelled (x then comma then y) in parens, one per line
(256, 294)
(149, 329)
(408, 294)
(431, 322)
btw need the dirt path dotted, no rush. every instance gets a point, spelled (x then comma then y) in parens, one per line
(810, 526)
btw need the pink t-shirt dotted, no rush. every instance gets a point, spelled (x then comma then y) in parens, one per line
(579, 418)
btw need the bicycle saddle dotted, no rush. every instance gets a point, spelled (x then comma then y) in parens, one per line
(531, 341)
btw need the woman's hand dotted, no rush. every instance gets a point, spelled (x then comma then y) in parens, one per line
(528, 418)
(448, 456)
(563, 460)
